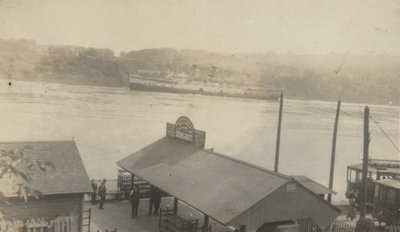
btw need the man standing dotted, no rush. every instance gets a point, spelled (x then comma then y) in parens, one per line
(94, 191)
(156, 200)
(151, 200)
(134, 198)
(102, 193)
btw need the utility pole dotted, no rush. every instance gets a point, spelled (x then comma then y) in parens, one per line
(364, 224)
(278, 136)
(365, 163)
(333, 154)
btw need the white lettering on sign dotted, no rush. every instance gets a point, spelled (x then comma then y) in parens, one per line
(184, 136)
(184, 129)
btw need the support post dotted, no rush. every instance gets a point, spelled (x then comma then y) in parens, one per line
(365, 164)
(175, 205)
(151, 203)
(278, 135)
(132, 180)
(205, 224)
(333, 154)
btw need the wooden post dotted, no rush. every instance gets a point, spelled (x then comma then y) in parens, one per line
(132, 180)
(278, 135)
(151, 204)
(175, 205)
(333, 150)
(205, 224)
(365, 163)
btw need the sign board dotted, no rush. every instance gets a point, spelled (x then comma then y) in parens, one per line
(184, 130)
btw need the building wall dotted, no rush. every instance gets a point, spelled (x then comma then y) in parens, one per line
(287, 203)
(47, 207)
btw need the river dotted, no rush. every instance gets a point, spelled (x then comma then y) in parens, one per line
(108, 124)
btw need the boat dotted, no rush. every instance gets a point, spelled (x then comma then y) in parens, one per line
(153, 84)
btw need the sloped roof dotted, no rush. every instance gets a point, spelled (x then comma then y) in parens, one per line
(313, 186)
(375, 169)
(68, 176)
(217, 185)
(393, 183)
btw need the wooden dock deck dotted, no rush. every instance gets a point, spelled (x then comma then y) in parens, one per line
(118, 215)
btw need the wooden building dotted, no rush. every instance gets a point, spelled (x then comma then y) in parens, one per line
(59, 208)
(387, 200)
(314, 186)
(230, 191)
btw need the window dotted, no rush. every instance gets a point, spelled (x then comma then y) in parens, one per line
(391, 196)
(381, 193)
(352, 176)
(348, 174)
(358, 177)
(376, 192)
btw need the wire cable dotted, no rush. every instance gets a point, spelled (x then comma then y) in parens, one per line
(384, 133)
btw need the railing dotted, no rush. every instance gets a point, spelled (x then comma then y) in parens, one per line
(307, 225)
(392, 229)
(114, 230)
(170, 222)
(339, 226)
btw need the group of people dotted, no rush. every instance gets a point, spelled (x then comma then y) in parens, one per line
(154, 204)
(99, 191)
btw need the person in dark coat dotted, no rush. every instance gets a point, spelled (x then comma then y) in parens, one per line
(151, 200)
(134, 198)
(102, 192)
(156, 200)
(94, 191)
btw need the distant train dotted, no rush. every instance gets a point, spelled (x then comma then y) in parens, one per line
(383, 188)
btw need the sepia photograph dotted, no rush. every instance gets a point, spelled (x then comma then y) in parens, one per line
(199, 116)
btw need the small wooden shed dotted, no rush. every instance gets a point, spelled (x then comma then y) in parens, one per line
(60, 207)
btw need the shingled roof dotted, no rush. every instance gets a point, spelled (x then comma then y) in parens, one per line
(68, 176)
(217, 185)
(316, 187)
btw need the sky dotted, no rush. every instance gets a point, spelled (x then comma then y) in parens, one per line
(233, 26)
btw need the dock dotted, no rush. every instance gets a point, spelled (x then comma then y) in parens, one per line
(117, 215)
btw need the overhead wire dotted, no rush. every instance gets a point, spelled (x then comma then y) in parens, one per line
(384, 133)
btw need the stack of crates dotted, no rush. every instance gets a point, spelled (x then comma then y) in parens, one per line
(124, 184)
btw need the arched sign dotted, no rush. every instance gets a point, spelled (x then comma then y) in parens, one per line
(184, 130)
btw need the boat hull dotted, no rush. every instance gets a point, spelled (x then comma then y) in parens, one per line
(170, 89)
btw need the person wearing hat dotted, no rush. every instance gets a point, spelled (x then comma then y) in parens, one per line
(102, 191)
(134, 199)
(94, 191)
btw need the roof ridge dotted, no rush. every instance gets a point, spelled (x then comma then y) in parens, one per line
(37, 141)
(311, 180)
(235, 160)
(248, 164)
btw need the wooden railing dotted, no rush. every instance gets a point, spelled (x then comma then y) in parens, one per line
(392, 229)
(339, 226)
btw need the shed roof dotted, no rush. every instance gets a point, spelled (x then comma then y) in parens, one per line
(393, 183)
(215, 184)
(376, 169)
(68, 176)
(315, 187)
